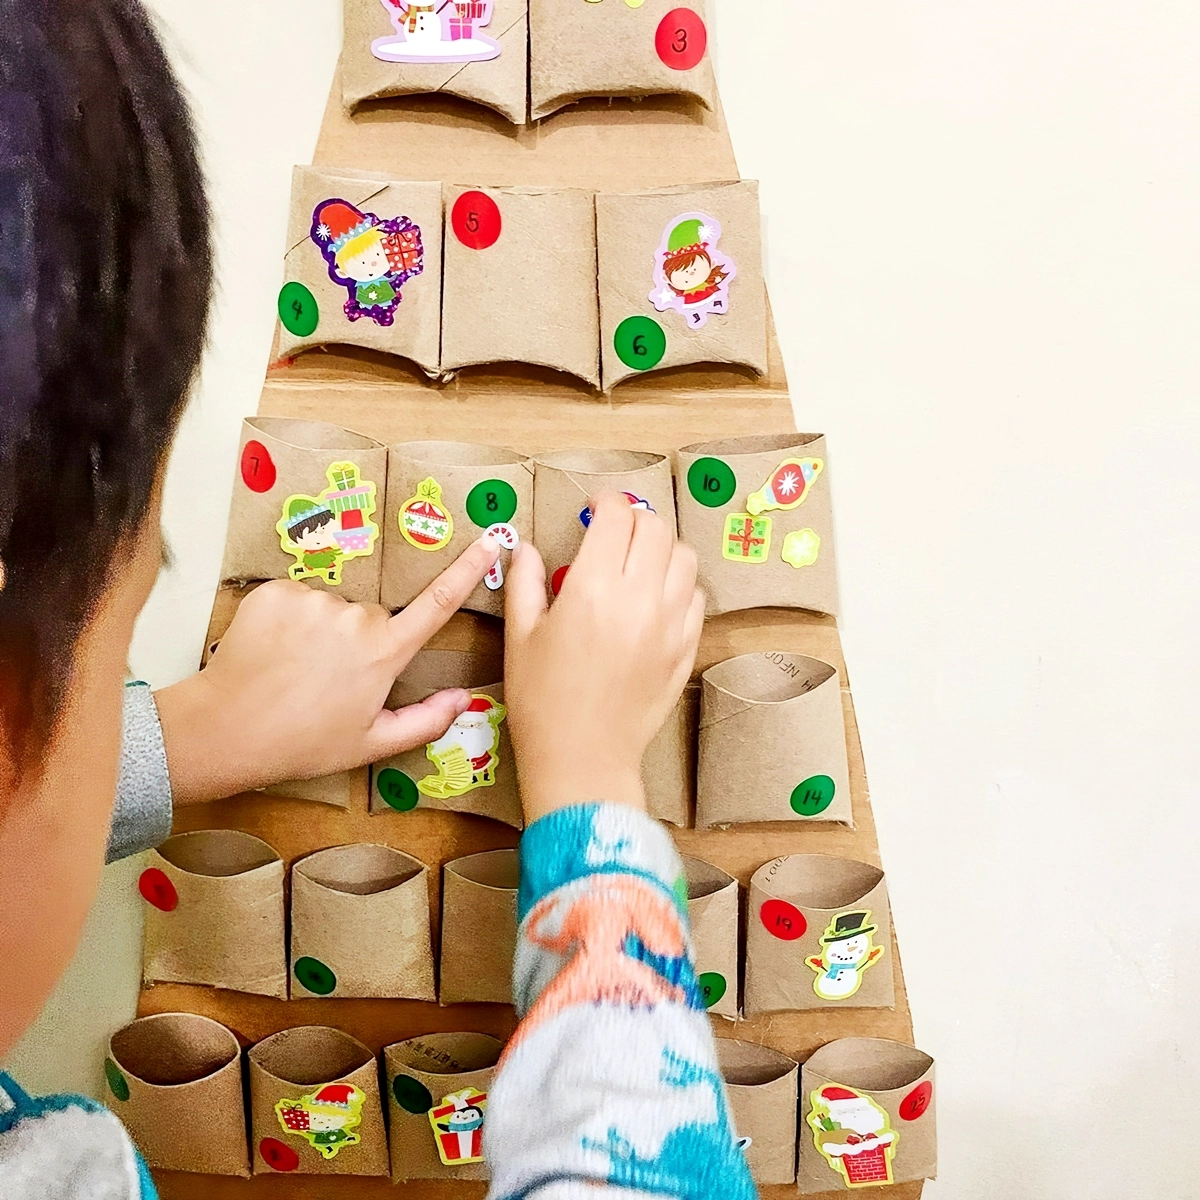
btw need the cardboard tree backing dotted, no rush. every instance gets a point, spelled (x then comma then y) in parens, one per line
(612, 147)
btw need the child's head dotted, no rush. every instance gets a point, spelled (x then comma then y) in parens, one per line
(312, 529)
(687, 270)
(365, 258)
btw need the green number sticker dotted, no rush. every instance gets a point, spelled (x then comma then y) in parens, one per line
(711, 482)
(813, 796)
(640, 343)
(315, 976)
(712, 987)
(491, 501)
(298, 309)
(397, 789)
(412, 1095)
(117, 1083)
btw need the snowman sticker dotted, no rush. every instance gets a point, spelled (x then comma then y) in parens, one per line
(691, 275)
(848, 953)
(437, 31)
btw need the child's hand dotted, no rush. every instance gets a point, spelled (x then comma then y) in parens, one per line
(297, 687)
(589, 682)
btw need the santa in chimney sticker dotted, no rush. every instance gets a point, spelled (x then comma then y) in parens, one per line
(458, 1127)
(854, 1135)
(466, 755)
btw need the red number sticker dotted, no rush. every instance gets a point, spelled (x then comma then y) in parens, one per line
(258, 469)
(916, 1103)
(476, 220)
(558, 579)
(277, 1156)
(158, 890)
(783, 920)
(681, 39)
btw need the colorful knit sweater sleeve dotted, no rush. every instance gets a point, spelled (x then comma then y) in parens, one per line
(611, 1077)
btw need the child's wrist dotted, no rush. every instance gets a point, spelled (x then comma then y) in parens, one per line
(548, 790)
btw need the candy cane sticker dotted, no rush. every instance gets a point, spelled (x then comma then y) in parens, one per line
(509, 539)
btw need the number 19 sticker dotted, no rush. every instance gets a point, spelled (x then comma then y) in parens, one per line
(640, 343)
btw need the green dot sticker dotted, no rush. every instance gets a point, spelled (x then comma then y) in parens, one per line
(490, 502)
(412, 1095)
(711, 482)
(117, 1083)
(712, 987)
(315, 976)
(640, 343)
(397, 789)
(298, 309)
(813, 796)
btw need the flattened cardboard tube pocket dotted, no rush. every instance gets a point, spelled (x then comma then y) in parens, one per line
(307, 498)
(772, 742)
(761, 1084)
(214, 913)
(669, 767)
(363, 266)
(477, 50)
(441, 497)
(360, 925)
(681, 279)
(479, 928)
(175, 1080)
(819, 935)
(632, 49)
(315, 1107)
(564, 482)
(520, 280)
(437, 1103)
(757, 511)
(335, 790)
(713, 915)
(867, 1116)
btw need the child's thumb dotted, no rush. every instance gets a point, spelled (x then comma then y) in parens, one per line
(403, 729)
(524, 592)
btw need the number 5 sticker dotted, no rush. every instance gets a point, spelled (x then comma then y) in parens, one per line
(681, 39)
(476, 221)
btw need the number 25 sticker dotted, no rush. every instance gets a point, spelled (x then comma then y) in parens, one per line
(681, 39)
(476, 220)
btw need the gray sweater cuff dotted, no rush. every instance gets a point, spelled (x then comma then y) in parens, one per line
(143, 810)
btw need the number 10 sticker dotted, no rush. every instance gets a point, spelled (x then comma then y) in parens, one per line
(476, 221)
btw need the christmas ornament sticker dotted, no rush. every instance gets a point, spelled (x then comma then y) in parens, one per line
(442, 31)
(788, 486)
(854, 1136)
(424, 522)
(323, 532)
(465, 756)
(458, 1127)
(368, 256)
(691, 275)
(747, 538)
(848, 952)
(327, 1119)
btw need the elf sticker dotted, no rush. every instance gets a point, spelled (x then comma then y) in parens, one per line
(368, 256)
(690, 274)
(327, 1119)
(788, 486)
(747, 538)
(322, 532)
(847, 954)
(424, 522)
(458, 1127)
(444, 31)
(465, 756)
(853, 1135)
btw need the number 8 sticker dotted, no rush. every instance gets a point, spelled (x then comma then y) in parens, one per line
(681, 40)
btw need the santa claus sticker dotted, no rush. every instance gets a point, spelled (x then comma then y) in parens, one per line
(466, 756)
(458, 1127)
(327, 1119)
(368, 256)
(854, 1136)
(444, 31)
(691, 275)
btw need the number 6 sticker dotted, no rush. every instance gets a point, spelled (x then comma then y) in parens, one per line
(640, 343)
(476, 221)
(681, 39)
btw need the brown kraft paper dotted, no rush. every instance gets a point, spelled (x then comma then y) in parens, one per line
(564, 482)
(360, 925)
(867, 1116)
(479, 928)
(819, 935)
(528, 296)
(430, 1080)
(334, 790)
(754, 553)
(669, 766)
(214, 913)
(611, 49)
(761, 1084)
(361, 239)
(175, 1080)
(456, 490)
(713, 916)
(697, 239)
(280, 459)
(499, 83)
(315, 1107)
(772, 742)
(471, 768)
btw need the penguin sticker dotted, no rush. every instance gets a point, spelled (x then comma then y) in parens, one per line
(458, 1127)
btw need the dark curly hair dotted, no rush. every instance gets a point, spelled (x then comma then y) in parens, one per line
(105, 276)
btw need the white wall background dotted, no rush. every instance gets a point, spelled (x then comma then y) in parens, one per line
(984, 260)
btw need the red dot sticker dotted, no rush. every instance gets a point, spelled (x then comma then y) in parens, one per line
(258, 469)
(916, 1104)
(277, 1156)
(476, 220)
(558, 579)
(783, 920)
(681, 39)
(158, 890)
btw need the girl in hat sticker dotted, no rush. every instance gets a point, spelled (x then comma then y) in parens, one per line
(327, 1119)
(371, 258)
(848, 952)
(690, 274)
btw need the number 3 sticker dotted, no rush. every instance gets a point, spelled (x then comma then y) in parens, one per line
(681, 39)
(475, 219)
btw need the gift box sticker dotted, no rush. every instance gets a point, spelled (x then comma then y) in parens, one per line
(458, 1127)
